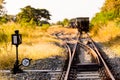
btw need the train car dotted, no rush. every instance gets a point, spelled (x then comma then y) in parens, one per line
(72, 23)
(81, 23)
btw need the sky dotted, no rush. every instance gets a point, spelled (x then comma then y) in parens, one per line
(59, 9)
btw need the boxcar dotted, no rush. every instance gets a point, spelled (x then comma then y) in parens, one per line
(81, 23)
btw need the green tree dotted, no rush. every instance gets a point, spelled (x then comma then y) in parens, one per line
(29, 14)
(3, 19)
(59, 23)
(65, 22)
(109, 11)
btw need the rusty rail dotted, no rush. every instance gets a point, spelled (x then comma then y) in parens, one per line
(104, 63)
(70, 59)
(94, 52)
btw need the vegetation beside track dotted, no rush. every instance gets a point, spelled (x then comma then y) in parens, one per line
(105, 25)
(109, 36)
(37, 43)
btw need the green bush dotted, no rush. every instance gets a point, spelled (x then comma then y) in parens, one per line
(45, 27)
(3, 20)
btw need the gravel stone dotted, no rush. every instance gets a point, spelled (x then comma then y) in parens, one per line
(113, 60)
(52, 63)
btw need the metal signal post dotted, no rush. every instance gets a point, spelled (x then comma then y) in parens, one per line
(16, 40)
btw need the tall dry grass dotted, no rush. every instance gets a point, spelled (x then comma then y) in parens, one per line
(107, 32)
(109, 35)
(37, 43)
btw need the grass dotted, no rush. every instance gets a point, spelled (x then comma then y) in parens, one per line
(108, 32)
(41, 50)
(109, 35)
(37, 43)
(56, 29)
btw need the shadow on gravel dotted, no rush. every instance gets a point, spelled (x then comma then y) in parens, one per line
(113, 62)
(112, 41)
(52, 63)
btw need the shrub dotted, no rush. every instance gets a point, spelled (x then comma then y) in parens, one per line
(45, 27)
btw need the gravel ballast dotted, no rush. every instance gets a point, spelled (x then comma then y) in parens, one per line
(112, 59)
(52, 63)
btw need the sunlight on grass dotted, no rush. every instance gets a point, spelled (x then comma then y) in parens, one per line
(54, 29)
(40, 50)
(107, 33)
(7, 57)
(37, 43)
(109, 36)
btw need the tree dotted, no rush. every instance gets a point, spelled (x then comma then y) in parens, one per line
(1, 2)
(29, 13)
(109, 11)
(2, 10)
(65, 22)
(44, 13)
(3, 15)
(112, 7)
(59, 23)
(3, 19)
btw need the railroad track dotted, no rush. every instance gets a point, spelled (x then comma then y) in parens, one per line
(85, 61)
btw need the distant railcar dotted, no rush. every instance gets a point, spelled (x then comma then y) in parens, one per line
(81, 23)
(72, 23)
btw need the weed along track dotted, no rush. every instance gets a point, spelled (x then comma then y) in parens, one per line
(84, 62)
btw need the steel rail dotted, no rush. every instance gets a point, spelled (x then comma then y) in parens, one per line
(69, 51)
(104, 63)
(69, 57)
(8, 71)
(70, 60)
(72, 56)
(92, 51)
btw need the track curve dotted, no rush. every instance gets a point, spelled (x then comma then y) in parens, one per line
(72, 71)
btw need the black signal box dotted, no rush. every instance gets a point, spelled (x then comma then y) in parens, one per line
(16, 38)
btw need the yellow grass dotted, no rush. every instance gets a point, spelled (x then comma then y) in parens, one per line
(109, 35)
(40, 50)
(107, 32)
(61, 29)
(37, 44)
